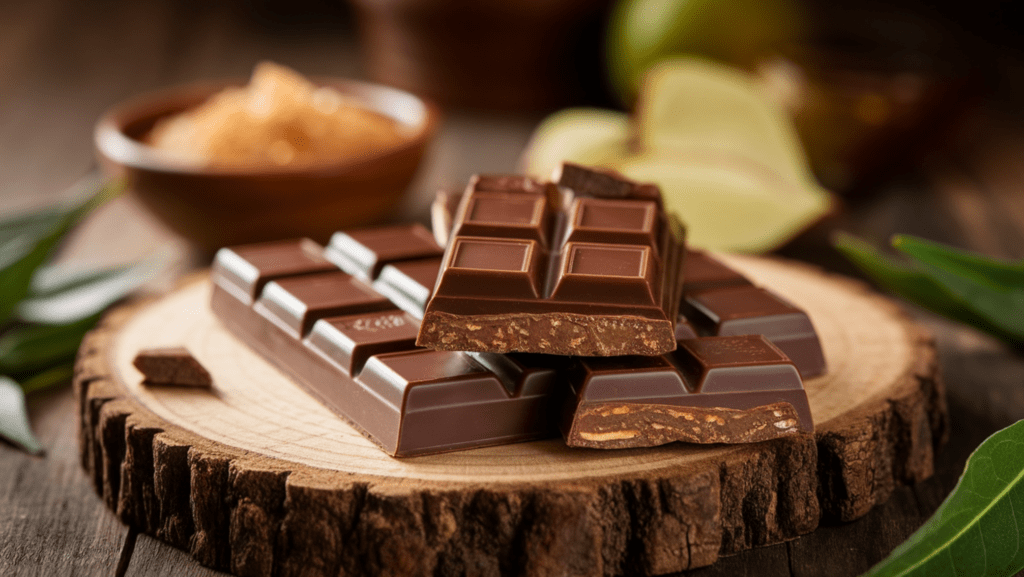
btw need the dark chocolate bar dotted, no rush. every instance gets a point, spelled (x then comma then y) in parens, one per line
(530, 270)
(710, 390)
(354, 350)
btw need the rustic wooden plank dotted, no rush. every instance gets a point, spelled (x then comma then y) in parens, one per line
(52, 521)
(154, 558)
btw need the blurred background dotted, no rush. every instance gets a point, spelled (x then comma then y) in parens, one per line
(894, 102)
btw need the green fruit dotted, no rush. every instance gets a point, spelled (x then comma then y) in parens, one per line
(738, 32)
(727, 160)
(729, 203)
(591, 136)
(694, 104)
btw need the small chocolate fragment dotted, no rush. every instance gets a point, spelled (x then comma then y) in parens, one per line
(750, 310)
(710, 390)
(593, 276)
(587, 181)
(171, 366)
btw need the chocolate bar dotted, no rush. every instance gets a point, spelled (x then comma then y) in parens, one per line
(737, 389)
(784, 324)
(354, 350)
(530, 268)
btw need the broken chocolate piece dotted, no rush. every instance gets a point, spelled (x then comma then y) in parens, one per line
(711, 390)
(171, 366)
(750, 310)
(592, 276)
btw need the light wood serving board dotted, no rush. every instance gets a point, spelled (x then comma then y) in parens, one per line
(257, 478)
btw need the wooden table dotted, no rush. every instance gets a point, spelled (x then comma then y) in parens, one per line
(62, 63)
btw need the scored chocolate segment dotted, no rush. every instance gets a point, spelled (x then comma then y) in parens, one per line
(502, 215)
(597, 276)
(364, 365)
(750, 310)
(475, 266)
(710, 390)
(613, 221)
(299, 302)
(590, 271)
(408, 284)
(449, 399)
(364, 252)
(703, 272)
(350, 341)
(245, 270)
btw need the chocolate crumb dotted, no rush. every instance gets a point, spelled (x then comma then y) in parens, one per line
(171, 366)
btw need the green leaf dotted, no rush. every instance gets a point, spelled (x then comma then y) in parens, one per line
(977, 530)
(31, 348)
(57, 375)
(63, 297)
(35, 244)
(905, 278)
(14, 417)
(1000, 307)
(999, 273)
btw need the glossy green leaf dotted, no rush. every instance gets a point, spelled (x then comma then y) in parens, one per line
(63, 297)
(977, 530)
(907, 279)
(994, 272)
(31, 348)
(34, 245)
(14, 417)
(1000, 307)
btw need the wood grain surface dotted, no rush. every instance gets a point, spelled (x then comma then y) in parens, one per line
(229, 474)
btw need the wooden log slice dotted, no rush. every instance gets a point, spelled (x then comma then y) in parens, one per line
(255, 477)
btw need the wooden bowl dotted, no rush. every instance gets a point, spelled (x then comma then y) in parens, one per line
(219, 206)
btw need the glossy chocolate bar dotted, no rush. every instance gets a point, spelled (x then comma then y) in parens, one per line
(710, 390)
(558, 273)
(354, 350)
(785, 325)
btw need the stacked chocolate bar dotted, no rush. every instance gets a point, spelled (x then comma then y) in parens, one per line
(567, 306)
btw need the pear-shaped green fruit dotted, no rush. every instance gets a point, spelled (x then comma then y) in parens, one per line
(692, 103)
(729, 203)
(727, 160)
(591, 136)
(737, 32)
